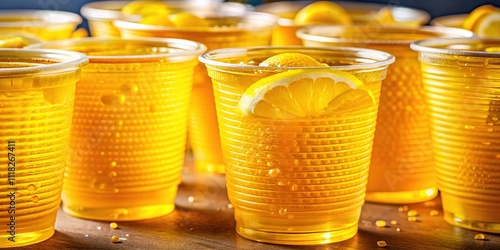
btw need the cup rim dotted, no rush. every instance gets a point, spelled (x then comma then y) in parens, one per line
(421, 15)
(438, 21)
(110, 10)
(304, 33)
(272, 21)
(191, 48)
(63, 61)
(384, 59)
(46, 17)
(431, 46)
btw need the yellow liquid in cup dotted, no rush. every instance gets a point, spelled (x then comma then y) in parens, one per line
(45, 25)
(294, 182)
(402, 169)
(35, 115)
(128, 137)
(203, 129)
(128, 140)
(464, 103)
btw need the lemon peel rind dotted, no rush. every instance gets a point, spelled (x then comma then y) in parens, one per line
(248, 101)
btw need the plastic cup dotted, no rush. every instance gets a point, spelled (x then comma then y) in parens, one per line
(47, 25)
(227, 30)
(287, 182)
(128, 137)
(461, 84)
(361, 13)
(37, 89)
(100, 15)
(402, 168)
(454, 21)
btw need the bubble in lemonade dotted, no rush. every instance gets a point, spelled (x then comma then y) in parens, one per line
(297, 138)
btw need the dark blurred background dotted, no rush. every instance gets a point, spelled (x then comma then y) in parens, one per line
(434, 7)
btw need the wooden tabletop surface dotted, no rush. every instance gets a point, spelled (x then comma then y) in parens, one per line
(203, 219)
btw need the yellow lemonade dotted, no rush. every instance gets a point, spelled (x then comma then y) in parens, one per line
(128, 136)
(296, 139)
(251, 29)
(402, 167)
(295, 15)
(47, 25)
(461, 85)
(37, 91)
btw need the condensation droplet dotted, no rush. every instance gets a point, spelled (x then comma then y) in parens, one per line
(274, 172)
(296, 162)
(119, 123)
(113, 100)
(31, 187)
(35, 199)
(467, 87)
(494, 118)
(116, 134)
(129, 88)
(281, 183)
(113, 164)
(290, 216)
(282, 211)
(102, 185)
(294, 187)
(112, 174)
(102, 153)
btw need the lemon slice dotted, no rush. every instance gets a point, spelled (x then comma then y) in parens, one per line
(385, 16)
(473, 17)
(157, 20)
(146, 8)
(184, 19)
(291, 60)
(323, 12)
(488, 25)
(305, 93)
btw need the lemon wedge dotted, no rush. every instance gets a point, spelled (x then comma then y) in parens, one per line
(291, 60)
(484, 21)
(323, 12)
(145, 8)
(184, 19)
(157, 20)
(302, 93)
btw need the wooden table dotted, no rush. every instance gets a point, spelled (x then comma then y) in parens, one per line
(203, 219)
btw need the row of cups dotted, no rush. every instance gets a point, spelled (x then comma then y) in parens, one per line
(126, 127)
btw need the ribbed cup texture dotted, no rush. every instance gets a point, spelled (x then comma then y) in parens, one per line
(128, 139)
(35, 121)
(103, 28)
(203, 127)
(298, 181)
(464, 103)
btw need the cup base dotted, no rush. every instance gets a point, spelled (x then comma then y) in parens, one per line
(298, 238)
(403, 197)
(489, 227)
(119, 214)
(25, 239)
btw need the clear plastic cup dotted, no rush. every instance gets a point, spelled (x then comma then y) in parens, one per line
(226, 30)
(100, 15)
(47, 25)
(461, 79)
(454, 21)
(128, 138)
(37, 90)
(402, 167)
(295, 181)
(361, 13)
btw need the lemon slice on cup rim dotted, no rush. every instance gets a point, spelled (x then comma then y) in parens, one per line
(305, 93)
